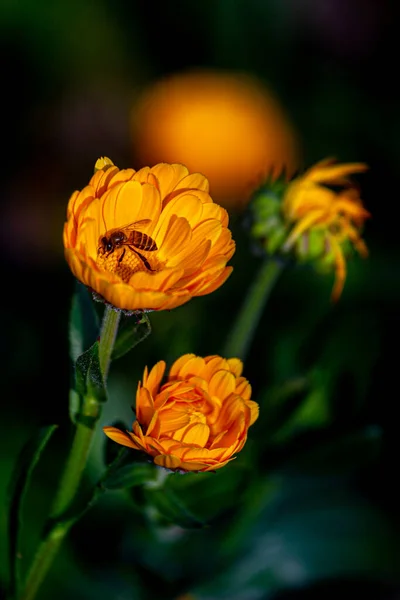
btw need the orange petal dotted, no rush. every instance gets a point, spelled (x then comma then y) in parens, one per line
(222, 384)
(144, 406)
(186, 205)
(235, 366)
(254, 410)
(153, 380)
(169, 175)
(177, 235)
(334, 174)
(192, 257)
(243, 388)
(196, 435)
(121, 437)
(121, 205)
(194, 181)
(191, 367)
(174, 372)
(213, 284)
(168, 461)
(161, 281)
(213, 364)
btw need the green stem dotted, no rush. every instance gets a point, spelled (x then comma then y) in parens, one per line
(74, 468)
(240, 338)
(109, 329)
(43, 559)
(77, 458)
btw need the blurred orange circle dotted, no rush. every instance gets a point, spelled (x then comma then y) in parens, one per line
(227, 126)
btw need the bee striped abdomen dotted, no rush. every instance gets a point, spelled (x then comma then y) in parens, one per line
(142, 241)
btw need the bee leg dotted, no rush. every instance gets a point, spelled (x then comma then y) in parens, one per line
(142, 258)
(122, 256)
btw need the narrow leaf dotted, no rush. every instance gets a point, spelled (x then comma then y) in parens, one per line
(170, 509)
(128, 476)
(27, 460)
(83, 322)
(132, 331)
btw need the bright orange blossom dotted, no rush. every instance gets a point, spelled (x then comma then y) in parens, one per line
(190, 235)
(196, 421)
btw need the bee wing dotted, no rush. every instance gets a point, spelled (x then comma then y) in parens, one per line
(136, 225)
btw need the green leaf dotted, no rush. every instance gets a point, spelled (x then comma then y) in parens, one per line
(166, 508)
(130, 475)
(27, 460)
(314, 529)
(83, 322)
(88, 376)
(132, 331)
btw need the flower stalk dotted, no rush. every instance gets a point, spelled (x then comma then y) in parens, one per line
(239, 341)
(58, 525)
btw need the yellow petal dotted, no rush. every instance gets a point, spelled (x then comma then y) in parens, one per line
(207, 230)
(169, 175)
(243, 388)
(103, 163)
(196, 434)
(214, 211)
(195, 181)
(235, 366)
(174, 372)
(186, 205)
(172, 420)
(213, 364)
(121, 176)
(87, 240)
(101, 180)
(161, 281)
(222, 384)
(192, 367)
(334, 174)
(213, 284)
(255, 410)
(177, 235)
(191, 258)
(121, 205)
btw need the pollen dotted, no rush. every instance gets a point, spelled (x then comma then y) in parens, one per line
(124, 262)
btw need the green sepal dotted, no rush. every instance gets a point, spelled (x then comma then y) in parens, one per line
(132, 330)
(20, 480)
(88, 376)
(83, 322)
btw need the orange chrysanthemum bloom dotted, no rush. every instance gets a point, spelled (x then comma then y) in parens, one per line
(223, 123)
(324, 221)
(198, 420)
(148, 239)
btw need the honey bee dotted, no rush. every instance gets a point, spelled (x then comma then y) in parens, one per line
(128, 237)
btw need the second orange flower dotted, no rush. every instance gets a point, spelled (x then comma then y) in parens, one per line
(148, 239)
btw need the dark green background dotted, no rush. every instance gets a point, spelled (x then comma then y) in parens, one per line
(310, 507)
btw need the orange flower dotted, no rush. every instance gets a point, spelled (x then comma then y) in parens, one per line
(149, 239)
(228, 125)
(197, 420)
(325, 223)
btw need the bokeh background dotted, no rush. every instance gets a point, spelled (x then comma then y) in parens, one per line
(310, 507)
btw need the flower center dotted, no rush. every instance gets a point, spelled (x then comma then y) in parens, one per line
(117, 254)
(123, 262)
